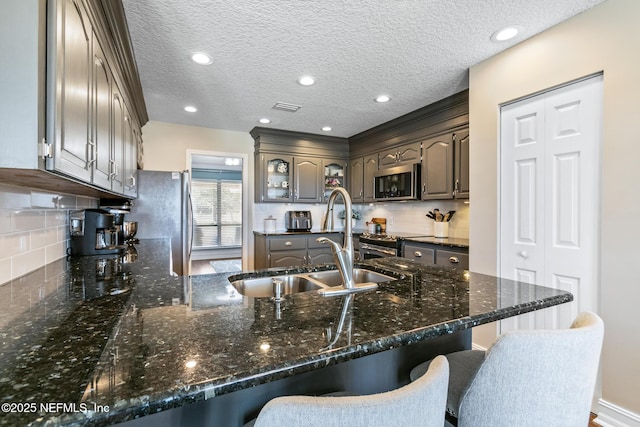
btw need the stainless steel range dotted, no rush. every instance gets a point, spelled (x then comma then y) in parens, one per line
(382, 245)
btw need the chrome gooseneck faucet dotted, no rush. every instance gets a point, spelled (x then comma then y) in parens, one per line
(342, 255)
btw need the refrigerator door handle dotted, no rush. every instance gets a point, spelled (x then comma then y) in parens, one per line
(193, 223)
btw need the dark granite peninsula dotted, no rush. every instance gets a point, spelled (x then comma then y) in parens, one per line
(147, 347)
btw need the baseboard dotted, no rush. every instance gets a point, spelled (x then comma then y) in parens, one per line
(610, 415)
(475, 346)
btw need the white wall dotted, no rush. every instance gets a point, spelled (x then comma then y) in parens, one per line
(166, 146)
(604, 38)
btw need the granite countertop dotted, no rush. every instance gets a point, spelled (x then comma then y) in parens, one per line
(135, 340)
(454, 242)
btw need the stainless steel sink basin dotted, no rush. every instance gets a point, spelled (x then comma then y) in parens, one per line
(262, 287)
(360, 275)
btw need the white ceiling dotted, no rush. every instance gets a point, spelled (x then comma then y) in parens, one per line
(415, 51)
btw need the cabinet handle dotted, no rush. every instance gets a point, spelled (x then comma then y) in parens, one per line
(93, 153)
(288, 243)
(133, 181)
(417, 254)
(454, 259)
(456, 188)
(424, 188)
(295, 194)
(361, 191)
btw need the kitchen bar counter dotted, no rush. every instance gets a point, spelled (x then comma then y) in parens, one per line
(107, 351)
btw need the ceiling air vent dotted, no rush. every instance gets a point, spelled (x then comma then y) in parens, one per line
(283, 106)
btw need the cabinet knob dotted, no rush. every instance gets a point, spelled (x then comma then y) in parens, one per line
(524, 255)
(417, 254)
(454, 259)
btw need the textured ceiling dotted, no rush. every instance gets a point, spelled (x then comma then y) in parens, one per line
(415, 51)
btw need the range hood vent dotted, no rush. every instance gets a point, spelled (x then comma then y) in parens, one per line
(283, 106)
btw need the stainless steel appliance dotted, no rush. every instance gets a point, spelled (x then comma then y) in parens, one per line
(382, 245)
(118, 208)
(298, 220)
(93, 232)
(397, 183)
(163, 209)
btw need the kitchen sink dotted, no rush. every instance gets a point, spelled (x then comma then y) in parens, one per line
(262, 287)
(360, 275)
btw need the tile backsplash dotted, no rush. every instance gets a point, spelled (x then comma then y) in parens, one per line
(406, 217)
(34, 228)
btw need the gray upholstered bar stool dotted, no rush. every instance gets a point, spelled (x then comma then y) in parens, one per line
(527, 378)
(420, 403)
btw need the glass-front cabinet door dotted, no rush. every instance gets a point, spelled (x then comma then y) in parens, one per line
(335, 172)
(276, 178)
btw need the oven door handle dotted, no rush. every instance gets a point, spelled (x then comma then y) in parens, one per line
(365, 246)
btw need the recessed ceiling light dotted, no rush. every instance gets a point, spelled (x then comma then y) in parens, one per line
(507, 33)
(326, 128)
(265, 120)
(190, 109)
(382, 98)
(306, 80)
(201, 58)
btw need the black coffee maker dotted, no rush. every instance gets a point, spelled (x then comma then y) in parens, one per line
(93, 232)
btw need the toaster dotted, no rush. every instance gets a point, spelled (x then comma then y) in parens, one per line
(298, 220)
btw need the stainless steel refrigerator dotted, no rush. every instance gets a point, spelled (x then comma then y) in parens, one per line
(163, 209)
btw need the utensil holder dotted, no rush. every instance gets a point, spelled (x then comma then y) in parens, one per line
(270, 225)
(440, 229)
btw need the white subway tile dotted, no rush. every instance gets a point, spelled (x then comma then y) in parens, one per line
(56, 218)
(14, 197)
(28, 220)
(55, 252)
(24, 263)
(67, 202)
(44, 200)
(44, 237)
(15, 243)
(5, 221)
(62, 233)
(5, 270)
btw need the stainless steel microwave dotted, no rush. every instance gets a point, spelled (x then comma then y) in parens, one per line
(397, 183)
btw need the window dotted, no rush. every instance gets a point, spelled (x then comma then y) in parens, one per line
(217, 211)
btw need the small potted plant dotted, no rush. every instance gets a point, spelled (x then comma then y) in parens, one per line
(355, 215)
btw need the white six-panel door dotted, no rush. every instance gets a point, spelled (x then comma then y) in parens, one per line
(549, 197)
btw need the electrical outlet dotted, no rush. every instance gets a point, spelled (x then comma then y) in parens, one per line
(390, 220)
